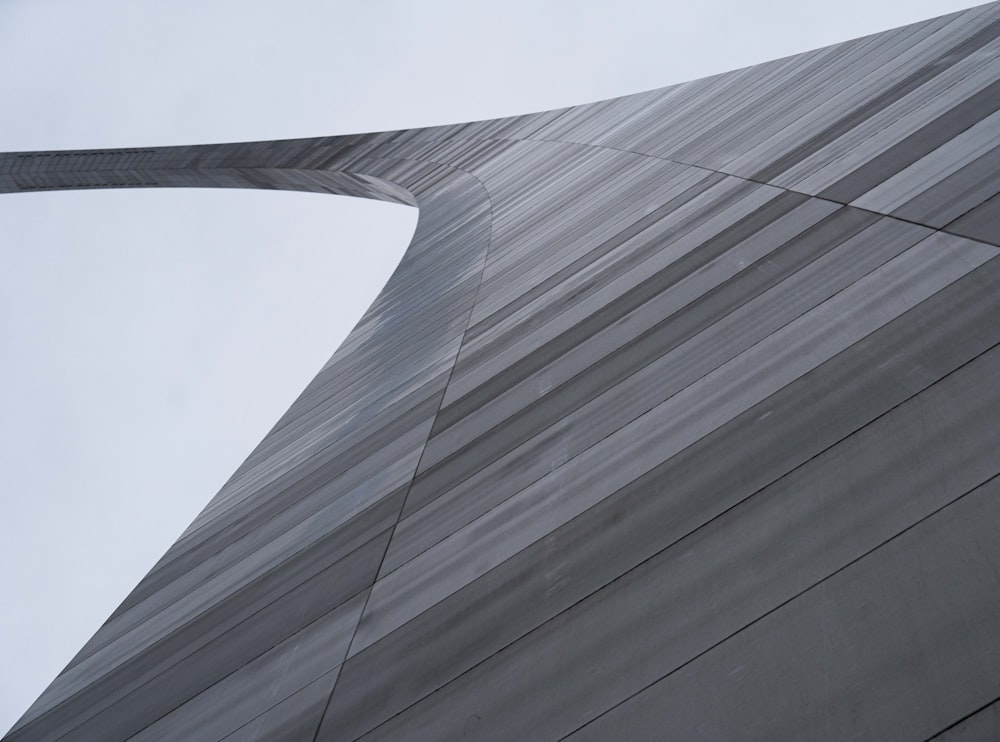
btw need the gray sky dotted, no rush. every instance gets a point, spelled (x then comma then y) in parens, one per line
(149, 339)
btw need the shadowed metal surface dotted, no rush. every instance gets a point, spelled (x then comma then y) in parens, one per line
(677, 419)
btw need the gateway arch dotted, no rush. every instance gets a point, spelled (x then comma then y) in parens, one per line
(677, 419)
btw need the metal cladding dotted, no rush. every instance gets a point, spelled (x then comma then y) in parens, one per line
(678, 419)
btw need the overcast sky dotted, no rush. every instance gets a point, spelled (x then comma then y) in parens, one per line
(150, 338)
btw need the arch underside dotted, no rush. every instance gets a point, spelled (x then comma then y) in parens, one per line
(678, 413)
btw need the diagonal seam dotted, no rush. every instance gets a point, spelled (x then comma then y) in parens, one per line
(409, 487)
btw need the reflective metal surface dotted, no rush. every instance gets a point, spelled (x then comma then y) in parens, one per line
(677, 419)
